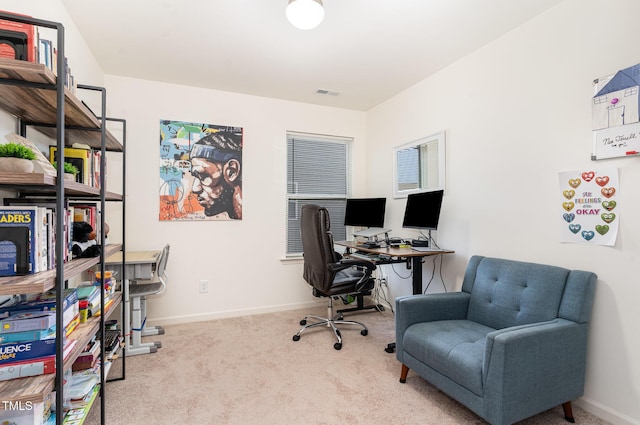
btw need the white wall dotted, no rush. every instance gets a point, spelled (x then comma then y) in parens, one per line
(516, 113)
(240, 259)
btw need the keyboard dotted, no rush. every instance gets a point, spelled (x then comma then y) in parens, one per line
(363, 256)
(112, 339)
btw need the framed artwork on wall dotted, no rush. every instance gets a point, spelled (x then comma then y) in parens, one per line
(200, 171)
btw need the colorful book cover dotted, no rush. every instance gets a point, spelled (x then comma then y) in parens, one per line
(42, 302)
(28, 321)
(25, 32)
(72, 325)
(41, 239)
(96, 168)
(26, 350)
(88, 292)
(18, 241)
(22, 369)
(37, 365)
(81, 158)
(28, 335)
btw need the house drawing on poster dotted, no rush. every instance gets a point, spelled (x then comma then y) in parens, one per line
(618, 102)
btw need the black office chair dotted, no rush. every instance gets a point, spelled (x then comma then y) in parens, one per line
(328, 274)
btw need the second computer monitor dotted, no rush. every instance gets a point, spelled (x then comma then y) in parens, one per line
(423, 210)
(365, 212)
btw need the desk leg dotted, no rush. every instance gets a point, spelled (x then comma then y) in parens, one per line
(133, 342)
(416, 281)
(416, 263)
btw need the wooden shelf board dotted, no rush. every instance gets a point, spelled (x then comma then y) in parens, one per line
(44, 281)
(39, 184)
(36, 105)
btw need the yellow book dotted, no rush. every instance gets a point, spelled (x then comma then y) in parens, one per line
(81, 158)
(73, 324)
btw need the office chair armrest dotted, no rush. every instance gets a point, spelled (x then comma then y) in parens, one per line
(345, 264)
(367, 266)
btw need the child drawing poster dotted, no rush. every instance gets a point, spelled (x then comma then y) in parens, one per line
(200, 171)
(588, 206)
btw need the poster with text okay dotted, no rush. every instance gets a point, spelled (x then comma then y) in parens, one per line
(588, 206)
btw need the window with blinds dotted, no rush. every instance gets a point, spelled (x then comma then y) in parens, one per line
(318, 172)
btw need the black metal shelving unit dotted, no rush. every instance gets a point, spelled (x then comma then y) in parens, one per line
(25, 92)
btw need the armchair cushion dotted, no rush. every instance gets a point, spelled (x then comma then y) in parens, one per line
(457, 350)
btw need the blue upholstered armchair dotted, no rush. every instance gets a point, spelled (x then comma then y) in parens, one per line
(510, 345)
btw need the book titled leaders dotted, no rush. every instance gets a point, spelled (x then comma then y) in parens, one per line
(18, 240)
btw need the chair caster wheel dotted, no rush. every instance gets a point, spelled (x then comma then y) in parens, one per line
(364, 332)
(337, 345)
(296, 337)
(340, 317)
(303, 322)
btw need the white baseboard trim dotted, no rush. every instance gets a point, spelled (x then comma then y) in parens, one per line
(174, 320)
(605, 412)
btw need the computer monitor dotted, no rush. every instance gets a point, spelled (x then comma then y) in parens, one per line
(365, 212)
(423, 210)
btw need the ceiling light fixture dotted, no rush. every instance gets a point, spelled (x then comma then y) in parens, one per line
(305, 14)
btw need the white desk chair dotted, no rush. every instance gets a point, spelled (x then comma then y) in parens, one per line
(138, 292)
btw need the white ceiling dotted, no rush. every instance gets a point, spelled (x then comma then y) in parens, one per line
(366, 50)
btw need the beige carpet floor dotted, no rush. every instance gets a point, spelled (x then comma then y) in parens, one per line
(247, 370)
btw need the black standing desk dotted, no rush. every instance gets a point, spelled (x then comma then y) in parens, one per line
(413, 258)
(395, 255)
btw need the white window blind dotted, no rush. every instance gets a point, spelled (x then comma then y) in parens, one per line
(318, 172)
(408, 169)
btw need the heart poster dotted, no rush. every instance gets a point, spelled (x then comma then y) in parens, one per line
(588, 206)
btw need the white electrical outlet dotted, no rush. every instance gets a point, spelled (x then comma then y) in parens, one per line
(204, 286)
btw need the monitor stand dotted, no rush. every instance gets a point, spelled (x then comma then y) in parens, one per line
(371, 235)
(371, 232)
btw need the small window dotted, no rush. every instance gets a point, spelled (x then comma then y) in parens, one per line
(419, 166)
(318, 172)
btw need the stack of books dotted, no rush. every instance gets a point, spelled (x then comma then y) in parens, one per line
(28, 334)
(91, 294)
(25, 42)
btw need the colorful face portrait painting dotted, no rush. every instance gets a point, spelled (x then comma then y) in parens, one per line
(588, 207)
(200, 171)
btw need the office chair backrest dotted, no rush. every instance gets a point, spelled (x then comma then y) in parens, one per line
(317, 246)
(162, 264)
(159, 274)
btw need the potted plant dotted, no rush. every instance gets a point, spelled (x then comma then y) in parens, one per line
(70, 170)
(16, 158)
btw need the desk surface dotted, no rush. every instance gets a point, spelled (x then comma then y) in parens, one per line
(393, 252)
(134, 257)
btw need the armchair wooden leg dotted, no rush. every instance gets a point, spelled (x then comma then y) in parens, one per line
(403, 373)
(568, 412)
